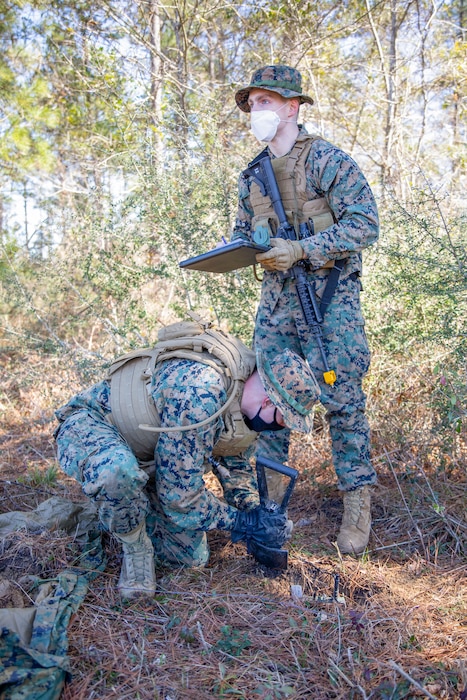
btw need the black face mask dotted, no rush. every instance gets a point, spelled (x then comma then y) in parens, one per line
(258, 424)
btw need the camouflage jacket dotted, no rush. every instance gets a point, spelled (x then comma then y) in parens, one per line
(332, 174)
(186, 392)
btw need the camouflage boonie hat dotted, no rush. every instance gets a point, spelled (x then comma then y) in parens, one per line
(284, 80)
(291, 386)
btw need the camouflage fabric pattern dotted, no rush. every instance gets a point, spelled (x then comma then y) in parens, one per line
(291, 387)
(347, 353)
(280, 324)
(284, 80)
(37, 667)
(178, 507)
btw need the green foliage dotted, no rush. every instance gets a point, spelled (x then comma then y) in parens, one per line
(389, 691)
(418, 272)
(451, 391)
(187, 214)
(39, 477)
(416, 299)
(232, 641)
(226, 685)
(117, 266)
(8, 250)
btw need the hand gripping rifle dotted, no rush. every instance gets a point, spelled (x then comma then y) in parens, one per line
(262, 172)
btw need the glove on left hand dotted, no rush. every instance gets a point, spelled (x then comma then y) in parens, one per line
(271, 529)
(282, 255)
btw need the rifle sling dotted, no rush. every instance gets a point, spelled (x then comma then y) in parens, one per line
(331, 284)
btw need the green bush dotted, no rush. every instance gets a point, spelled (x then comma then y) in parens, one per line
(415, 303)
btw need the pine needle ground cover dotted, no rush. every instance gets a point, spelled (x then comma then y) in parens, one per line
(392, 624)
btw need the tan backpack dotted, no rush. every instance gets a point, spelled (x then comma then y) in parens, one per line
(134, 412)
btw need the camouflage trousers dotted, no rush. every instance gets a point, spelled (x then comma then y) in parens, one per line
(93, 452)
(347, 353)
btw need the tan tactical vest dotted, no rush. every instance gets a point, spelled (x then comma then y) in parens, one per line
(291, 180)
(132, 409)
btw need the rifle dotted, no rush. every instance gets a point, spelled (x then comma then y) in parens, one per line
(262, 172)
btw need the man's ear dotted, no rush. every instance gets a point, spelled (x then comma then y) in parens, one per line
(266, 402)
(294, 106)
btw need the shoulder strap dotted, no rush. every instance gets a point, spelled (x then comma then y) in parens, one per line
(132, 409)
(302, 146)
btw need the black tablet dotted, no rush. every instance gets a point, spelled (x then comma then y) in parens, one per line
(228, 257)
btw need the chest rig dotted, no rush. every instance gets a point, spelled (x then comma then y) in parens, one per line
(290, 175)
(133, 411)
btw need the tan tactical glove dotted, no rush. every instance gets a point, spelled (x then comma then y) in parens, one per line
(282, 255)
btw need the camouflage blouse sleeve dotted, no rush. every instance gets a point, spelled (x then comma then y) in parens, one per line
(333, 174)
(95, 399)
(238, 481)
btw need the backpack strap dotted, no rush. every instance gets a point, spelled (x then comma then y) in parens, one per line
(132, 410)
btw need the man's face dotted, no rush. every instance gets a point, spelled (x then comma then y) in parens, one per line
(260, 99)
(267, 413)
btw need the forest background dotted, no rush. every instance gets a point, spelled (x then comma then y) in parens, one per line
(120, 149)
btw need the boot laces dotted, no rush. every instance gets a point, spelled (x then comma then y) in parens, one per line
(353, 506)
(138, 558)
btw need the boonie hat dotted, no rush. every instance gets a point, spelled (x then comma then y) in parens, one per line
(284, 80)
(291, 386)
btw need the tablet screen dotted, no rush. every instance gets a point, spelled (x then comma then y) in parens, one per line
(228, 257)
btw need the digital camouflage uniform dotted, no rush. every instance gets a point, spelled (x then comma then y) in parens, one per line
(332, 174)
(177, 506)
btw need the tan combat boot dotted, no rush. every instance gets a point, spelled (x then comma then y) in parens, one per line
(356, 523)
(137, 577)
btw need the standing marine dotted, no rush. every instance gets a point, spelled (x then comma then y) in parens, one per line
(324, 193)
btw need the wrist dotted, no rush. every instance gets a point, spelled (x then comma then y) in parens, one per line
(298, 249)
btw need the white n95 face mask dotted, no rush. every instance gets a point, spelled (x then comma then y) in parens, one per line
(264, 124)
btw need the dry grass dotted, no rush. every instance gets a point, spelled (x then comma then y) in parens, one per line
(233, 630)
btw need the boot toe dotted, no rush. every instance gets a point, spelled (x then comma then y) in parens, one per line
(137, 591)
(352, 541)
(131, 586)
